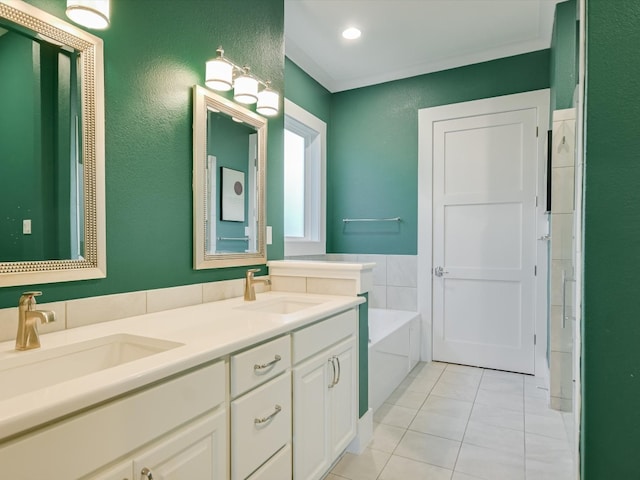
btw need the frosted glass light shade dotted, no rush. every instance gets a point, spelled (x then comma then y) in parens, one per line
(268, 101)
(245, 89)
(219, 75)
(89, 13)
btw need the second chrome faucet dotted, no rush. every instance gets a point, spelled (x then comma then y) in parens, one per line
(249, 289)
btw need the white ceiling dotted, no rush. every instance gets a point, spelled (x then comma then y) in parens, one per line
(404, 38)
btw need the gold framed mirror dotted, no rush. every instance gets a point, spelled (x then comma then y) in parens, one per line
(229, 162)
(52, 223)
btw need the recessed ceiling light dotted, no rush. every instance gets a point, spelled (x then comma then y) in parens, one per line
(351, 33)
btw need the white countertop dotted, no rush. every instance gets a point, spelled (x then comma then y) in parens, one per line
(208, 331)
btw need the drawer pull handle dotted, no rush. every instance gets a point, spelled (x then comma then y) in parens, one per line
(275, 360)
(260, 421)
(145, 474)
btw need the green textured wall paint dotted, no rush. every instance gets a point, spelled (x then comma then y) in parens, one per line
(305, 92)
(564, 56)
(611, 358)
(363, 356)
(372, 161)
(155, 51)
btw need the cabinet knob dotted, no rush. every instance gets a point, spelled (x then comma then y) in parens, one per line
(145, 474)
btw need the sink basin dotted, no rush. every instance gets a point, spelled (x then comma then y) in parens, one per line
(30, 371)
(282, 306)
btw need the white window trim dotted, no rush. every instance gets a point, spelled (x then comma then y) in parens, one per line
(318, 245)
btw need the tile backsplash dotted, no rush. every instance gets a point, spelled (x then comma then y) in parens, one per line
(85, 311)
(395, 278)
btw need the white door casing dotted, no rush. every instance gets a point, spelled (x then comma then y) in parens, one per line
(481, 166)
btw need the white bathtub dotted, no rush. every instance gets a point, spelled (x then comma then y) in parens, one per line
(394, 349)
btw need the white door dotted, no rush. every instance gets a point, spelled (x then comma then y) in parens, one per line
(484, 247)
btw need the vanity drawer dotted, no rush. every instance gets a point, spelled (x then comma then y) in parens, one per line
(310, 340)
(260, 425)
(259, 364)
(279, 466)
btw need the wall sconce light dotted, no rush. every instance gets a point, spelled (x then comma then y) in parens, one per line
(89, 13)
(223, 75)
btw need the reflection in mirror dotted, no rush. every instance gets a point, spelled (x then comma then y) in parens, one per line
(229, 162)
(51, 149)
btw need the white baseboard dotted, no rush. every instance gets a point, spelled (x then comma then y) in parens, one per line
(364, 433)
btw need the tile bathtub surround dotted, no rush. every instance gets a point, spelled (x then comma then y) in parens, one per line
(452, 422)
(86, 311)
(395, 278)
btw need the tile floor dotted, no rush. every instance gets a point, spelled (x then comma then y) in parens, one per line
(451, 422)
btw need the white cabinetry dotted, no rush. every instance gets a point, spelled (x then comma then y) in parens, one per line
(261, 410)
(324, 394)
(123, 430)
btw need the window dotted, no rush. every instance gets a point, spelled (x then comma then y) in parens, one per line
(304, 182)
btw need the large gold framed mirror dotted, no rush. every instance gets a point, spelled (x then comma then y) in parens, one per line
(229, 161)
(52, 216)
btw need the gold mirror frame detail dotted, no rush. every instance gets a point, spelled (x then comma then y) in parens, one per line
(203, 101)
(90, 48)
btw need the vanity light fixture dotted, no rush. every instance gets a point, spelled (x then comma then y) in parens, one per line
(268, 101)
(223, 75)
(245, 88)
(89, 13)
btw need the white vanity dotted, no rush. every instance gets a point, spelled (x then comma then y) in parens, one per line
(224, 390)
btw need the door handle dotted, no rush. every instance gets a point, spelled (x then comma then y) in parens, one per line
(439, 271)
(333, 366)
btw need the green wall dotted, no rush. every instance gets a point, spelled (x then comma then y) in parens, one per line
(564, 50)
(305, 92)
(372, 161)
(155, 51)
(611, 309)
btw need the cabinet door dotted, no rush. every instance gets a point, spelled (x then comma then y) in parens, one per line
(344, 412)
(198, 452)
(123, 471)
(311, 449)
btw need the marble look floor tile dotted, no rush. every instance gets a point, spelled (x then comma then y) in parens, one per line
(489, 464)
(407, 398)
(548, 425)
(497, 438)
(473, 371)
(447, 406)
(498, 416)
(440, 425)
(455, 391)
(386, 437)
(394, 415)
(400, 468)
(502, 400)
(549, 471)
(463, 476)
(418, 384)
(539, 448)
(427, 448)
(510, 385)
(331, 476)
(460, 378)
(366, 466)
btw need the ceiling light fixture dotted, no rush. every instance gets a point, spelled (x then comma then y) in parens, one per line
(351, 33)
(223, 75)
(89, 13)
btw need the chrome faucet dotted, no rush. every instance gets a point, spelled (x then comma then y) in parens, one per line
(249, 290)
(27, 337)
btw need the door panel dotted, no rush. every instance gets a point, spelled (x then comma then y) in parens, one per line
(484, 183)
